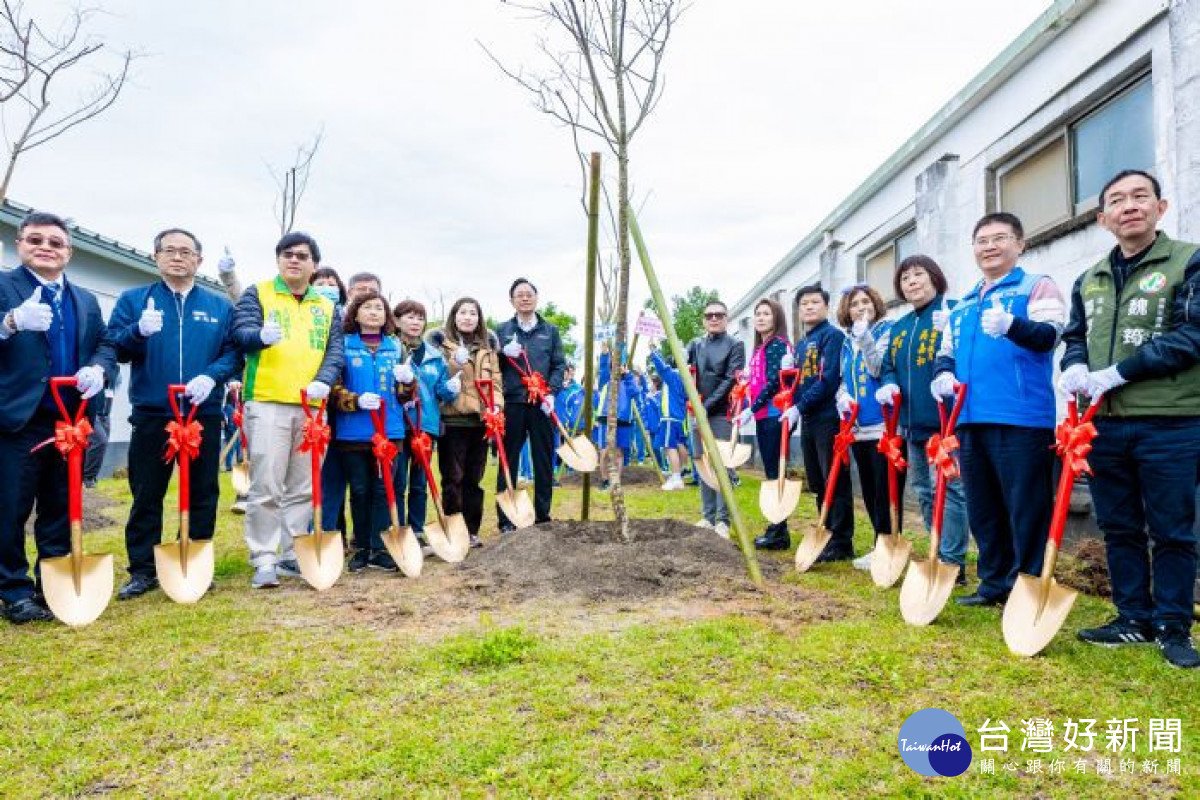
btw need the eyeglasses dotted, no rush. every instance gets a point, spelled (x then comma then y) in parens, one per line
(182, 252)
(714, 315)
(988, 241)
(295, 255)
(37, 240)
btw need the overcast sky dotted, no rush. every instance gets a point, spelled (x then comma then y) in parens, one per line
(437, 173)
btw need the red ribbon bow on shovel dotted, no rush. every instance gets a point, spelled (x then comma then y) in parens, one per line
(891, 445)
(738, 395)
(1073, 441)
(67, 436)
(384, 448)
(183, 439)
(534, 382)
(940, 452)
(493, 423)
(315, 435)
(422, 447)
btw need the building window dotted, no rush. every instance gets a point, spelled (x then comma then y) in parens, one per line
(1060, 178)
(880, 266)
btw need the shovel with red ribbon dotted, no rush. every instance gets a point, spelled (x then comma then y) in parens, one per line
(448, 537)
(777, 499)
(1038, 606)
(577, 452)
(320, 554)
(184, 567)
(813, 544)
(734, 452)
(892, 550)
(513, 502)
(928, 584)
(77, 587)
(398, 539)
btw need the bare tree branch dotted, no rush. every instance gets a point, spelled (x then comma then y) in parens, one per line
(292, 181)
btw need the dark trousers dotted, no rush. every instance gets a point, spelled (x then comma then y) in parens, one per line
(26, 478)
(334, 482)
(412, 490)
(1144, 474)
(149, 476)
(522, 421)
(1007, 473)
(816, 443)
(768, 432)
(462, 459)
(97, 447)
(368, 497)
(873, 482)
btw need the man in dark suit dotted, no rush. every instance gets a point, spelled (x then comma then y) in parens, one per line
(50, 328)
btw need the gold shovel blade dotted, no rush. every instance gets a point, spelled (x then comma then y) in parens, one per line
(579, 454)
(320, 556)
(777, 499)
(1028, 625)
(926, 589)
(239, 478)
(185, 580)
(811, 546)
(517, 507)
(705, 471)
(734, 453)
(447, 543)
(405, 550)
(889, 559)
(78, 607)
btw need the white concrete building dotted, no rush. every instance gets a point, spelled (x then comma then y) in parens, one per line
(105, 267)
(1091, 87)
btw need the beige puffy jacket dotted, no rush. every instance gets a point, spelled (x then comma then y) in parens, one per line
(483, 364)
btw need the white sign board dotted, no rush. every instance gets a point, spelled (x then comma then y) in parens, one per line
(650, 326)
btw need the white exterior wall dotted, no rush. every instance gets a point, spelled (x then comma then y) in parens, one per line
(1092, 46)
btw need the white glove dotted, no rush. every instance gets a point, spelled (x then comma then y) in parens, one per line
(513, 349)
(199, 388)
(861, 329)
(454, 385)
(89, 380)
(369, 401)
(404, 373)
(1104, 381)
(226, 264)
(745, 418)
(941, 317)
(271, 332)
(886, 394)
(151, 321)
(318, 390)
(792, 415)
(844, 401)
(547, 406)
(995, 321)
(787, 362)
(461, 355)
(33, 314)
(1074, 380)
(944, 385)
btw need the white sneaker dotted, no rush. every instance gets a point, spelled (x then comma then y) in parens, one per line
(264, 578)
(863, 562)
(722, 530)
(239, 507)
(673, 484)
(705, 524)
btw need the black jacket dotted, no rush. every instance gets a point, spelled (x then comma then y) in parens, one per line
(717, 360)
(543, 345)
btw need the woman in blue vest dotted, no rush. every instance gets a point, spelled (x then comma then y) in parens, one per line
(772, 352)
(861, 314)
(424, 372)
(368, 384)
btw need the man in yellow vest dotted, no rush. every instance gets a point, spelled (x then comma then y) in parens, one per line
(292, 339)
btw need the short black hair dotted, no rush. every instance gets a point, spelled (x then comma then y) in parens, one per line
(1003, 218)
(296, 237)
(517, 283)
(43, 218)
(812, 288)
(1127, 173)
(716, 302)
(936, 276)
(164, 234)
(363, 277)
(330, 272)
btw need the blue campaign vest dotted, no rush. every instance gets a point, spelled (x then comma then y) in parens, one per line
(858, 381)
(370, 372)
(1008, 385)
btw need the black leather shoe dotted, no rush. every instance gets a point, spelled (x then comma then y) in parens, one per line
(961, 580)
(979, 600)
(27, 610)
(831, 554)
(136, 586)
(775, 538)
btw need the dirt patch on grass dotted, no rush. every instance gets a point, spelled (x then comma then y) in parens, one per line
(630, 476)
(1084, 566)
(99, 511)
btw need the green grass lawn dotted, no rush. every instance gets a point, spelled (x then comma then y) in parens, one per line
(789, 693)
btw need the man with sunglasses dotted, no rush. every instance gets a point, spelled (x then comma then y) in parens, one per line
(292, 339)
(171, 332)
(718, 358)
(50, 328)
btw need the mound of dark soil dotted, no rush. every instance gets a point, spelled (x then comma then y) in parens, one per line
(1084, 566)
(96, 508)
(588, 560)
(630, 476)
